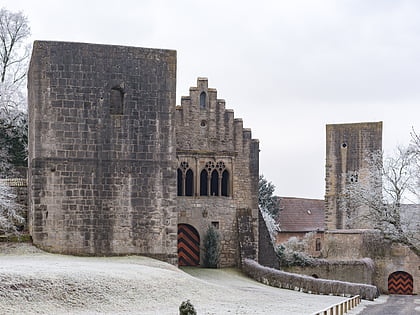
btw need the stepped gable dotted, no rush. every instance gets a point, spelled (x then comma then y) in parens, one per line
(204, 123)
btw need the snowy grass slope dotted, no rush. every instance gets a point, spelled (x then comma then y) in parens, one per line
(35, 282)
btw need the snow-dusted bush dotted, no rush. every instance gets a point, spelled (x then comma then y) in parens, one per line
(271, 225)
(269, 206)
(288, 257)
(9, 208)
(293, 252)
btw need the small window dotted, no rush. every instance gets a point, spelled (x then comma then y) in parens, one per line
(318, 244)
(215, 224)
(203, 97)
(117, 100)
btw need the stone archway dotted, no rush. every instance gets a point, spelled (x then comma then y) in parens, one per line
(400, 282)
(188, 245)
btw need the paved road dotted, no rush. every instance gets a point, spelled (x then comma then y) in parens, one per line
(395, 305)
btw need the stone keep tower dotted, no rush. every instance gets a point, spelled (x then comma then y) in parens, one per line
(348, 147)
(102, 149)
(217, 165)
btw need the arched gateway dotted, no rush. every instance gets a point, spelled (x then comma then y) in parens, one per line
(188, 245)
(400, 282)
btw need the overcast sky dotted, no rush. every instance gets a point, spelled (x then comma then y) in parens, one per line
(287, 68)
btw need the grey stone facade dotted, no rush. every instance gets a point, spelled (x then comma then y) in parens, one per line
(102, 149)
(222, 156)
(109, 152)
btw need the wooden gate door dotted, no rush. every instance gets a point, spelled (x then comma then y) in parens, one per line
(400, 282)
(188, 246)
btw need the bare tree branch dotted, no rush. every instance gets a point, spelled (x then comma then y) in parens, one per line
(379, 198)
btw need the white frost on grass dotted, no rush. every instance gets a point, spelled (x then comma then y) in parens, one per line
(34, 282)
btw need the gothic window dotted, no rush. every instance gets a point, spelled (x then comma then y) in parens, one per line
(203, 100)
(214, 190)
(189, 183)
(214, 180)
(116, 98)
(203, 183)
(179, 182)
(225, 183)
(185, 180)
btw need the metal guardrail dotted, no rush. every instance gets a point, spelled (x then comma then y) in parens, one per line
(341, 308)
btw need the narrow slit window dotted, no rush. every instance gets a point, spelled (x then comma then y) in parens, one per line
(318, 244)
(189, 183)
(203, 183)
(179, 182)
(214, 183)
(225, 183)
(203, 97)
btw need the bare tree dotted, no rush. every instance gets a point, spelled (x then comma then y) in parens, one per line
(379, 196)
(14, 31)
(415, 151)
(14, 53)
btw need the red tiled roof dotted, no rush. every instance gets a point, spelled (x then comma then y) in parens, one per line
(301, 215)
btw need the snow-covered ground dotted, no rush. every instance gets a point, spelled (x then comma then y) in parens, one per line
(35, 282)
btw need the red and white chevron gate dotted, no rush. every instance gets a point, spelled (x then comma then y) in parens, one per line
(400, 282)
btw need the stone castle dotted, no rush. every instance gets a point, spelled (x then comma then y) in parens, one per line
(116, 168)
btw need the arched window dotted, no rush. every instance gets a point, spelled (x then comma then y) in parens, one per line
(214, 185)
(189, 183)
(203, 183)
(179, 182)
(225, 183)
(203, 100)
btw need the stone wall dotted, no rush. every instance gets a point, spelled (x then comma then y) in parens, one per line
(266, 251)
(388, 257)
(347, 147)
(398, 258)
(356, 271)
(292, 281)
(101, 149)
(210, 140)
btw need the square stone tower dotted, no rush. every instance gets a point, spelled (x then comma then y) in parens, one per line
(348, 148)
(102, 149)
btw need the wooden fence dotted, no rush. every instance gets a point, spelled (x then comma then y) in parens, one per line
(341, 308)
